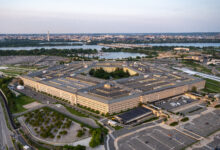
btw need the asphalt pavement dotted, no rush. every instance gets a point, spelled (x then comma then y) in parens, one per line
(5, 138)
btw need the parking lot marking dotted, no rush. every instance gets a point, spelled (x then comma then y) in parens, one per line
(159, 141)
(112, 136)
(169, 137)
(179, 130)
(130, 146)
(145, 144)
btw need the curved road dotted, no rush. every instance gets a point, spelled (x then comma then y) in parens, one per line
(5, 133)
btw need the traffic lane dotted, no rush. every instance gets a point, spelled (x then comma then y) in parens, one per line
(1, 135)
(6, 139)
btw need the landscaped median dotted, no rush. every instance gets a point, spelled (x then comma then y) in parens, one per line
(174, 123)
(217, 106)
(185, 119)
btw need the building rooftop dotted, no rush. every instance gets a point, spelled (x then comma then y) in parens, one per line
(74, 77)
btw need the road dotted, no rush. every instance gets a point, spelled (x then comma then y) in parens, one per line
(5, 138)
(5, 133)
(191, 72)
(112, 136)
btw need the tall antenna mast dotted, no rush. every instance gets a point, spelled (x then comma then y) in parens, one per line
(48, 36)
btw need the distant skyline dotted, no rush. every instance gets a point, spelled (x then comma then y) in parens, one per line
(109, 16)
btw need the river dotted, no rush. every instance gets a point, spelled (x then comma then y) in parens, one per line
(112, 55)
(99, 47)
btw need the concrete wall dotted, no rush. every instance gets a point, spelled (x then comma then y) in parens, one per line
(114, 107)
(102, 107)
(164, 94)
(199, 85)
(171, 92)
(50, 90)
(124, 105)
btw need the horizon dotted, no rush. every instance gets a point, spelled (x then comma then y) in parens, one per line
(115, 33)
(171, 16)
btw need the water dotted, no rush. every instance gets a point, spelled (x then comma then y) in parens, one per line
(67, 43)
(187, 44)
(112, 55)
(97, 47)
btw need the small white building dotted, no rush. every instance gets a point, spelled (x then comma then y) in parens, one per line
(20, 87)
(112, 123)
(26, 147)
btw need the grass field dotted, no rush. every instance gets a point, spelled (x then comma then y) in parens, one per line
(75, 112)
(212, 86)
(10, 72)
(196, 67)
(13, 71)
(117, 127)
(20, 101)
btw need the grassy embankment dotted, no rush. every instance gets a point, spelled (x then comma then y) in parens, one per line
(212, 86)
(20, 101)
(13, 71)
(196, 67)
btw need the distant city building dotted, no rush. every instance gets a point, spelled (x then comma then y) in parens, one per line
(214, 62)
(196, 58)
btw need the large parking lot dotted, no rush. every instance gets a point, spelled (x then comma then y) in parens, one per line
(214, 144)
(156, 138)
(175, 103)
(194, 110)
(205, 124)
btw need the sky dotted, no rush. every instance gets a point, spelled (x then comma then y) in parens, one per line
(109, 16)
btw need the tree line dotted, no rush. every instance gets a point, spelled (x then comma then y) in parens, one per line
(49, 52)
